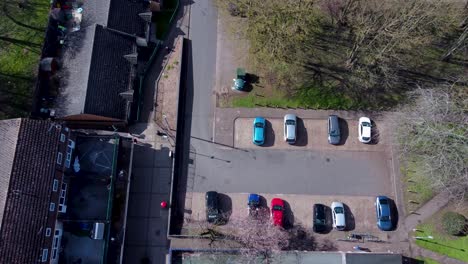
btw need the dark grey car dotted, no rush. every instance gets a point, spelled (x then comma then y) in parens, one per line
(334, 135)
(212, 207)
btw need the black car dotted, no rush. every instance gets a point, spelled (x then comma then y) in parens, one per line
(320, 219)
(212, 207)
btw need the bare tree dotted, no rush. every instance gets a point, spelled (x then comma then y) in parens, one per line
(434, 131)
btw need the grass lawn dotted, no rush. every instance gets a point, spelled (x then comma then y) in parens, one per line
(417, 187)
(451, 246)
(428, 261)
(22, 30)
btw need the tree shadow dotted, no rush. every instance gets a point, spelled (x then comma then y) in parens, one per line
(302, 137)
(288, 216)
(344, 130)
(349, 218)
(269, 135)
(301, 239)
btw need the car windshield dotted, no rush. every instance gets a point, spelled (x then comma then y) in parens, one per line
(320, 221)
(290, 122)
(258, 124)
(339, 210)
(277, 208)
(366, 124)
(365, 138)
(334, 133)
(384, 218)
(383, 201)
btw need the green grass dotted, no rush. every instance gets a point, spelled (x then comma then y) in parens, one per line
(309, 98)
(417, 187)
(428, 260)
(451, 246)
(22, 31)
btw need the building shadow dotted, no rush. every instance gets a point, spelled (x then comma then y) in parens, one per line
(288, 216)
(269, 134)
(183, 159)
(349, 218)
(344, 130)
(302, 137)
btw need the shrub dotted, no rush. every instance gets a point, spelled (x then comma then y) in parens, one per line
(454, 223)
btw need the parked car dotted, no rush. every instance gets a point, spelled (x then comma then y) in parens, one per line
(365, 127)
(277, 211)
(320, 219)
(290, 129)
(259, 131)
(338, 214)
(213, 214)
(384, 214)
(334, 134)
(253, 204)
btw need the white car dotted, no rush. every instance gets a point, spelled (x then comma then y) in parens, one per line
(365, 127)
(290, 121)
(338, 215)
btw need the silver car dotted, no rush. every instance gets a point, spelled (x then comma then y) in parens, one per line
(290, 124)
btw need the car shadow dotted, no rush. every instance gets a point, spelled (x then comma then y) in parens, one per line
(349, 218)
(225, 206)
(328, 220)
(344, 130)
(288, 216)
(394, 214)
(375, 133)
(269, 135)
(301, 136)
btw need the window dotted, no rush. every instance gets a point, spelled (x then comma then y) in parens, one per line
(52, 207)
(62, 137)
(48, 231)
(45, 254)
(59, 158)
(71, 143)
(55, 186)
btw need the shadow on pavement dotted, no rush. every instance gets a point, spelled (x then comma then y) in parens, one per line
(225, 205)
(344, 130)
(269, 134)
(375, 134)
(302, 135)
(288, 216)
(349, 218)
(395, 214)
(183, 158)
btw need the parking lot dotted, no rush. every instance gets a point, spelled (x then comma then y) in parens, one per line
(311, 135)
(360, 211)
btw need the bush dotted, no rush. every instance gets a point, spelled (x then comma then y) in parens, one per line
(454, 223)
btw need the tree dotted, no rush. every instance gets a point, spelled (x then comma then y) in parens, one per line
(434, 131)
(454, 223)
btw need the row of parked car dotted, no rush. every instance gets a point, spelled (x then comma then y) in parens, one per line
(320, 212)
(290, 130)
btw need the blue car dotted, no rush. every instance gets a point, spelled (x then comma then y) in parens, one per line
(258, 136)
(384, 215)
(254, 204)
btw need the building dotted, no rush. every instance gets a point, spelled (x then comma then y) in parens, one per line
(90, 60)
(63, 193)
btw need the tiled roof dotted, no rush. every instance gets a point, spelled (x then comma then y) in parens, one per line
(123, 16)
(109, 74)
(27, 205)
(9, 130)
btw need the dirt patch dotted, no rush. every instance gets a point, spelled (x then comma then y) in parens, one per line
(168, 90)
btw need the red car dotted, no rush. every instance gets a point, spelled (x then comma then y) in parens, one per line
(277, 211)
